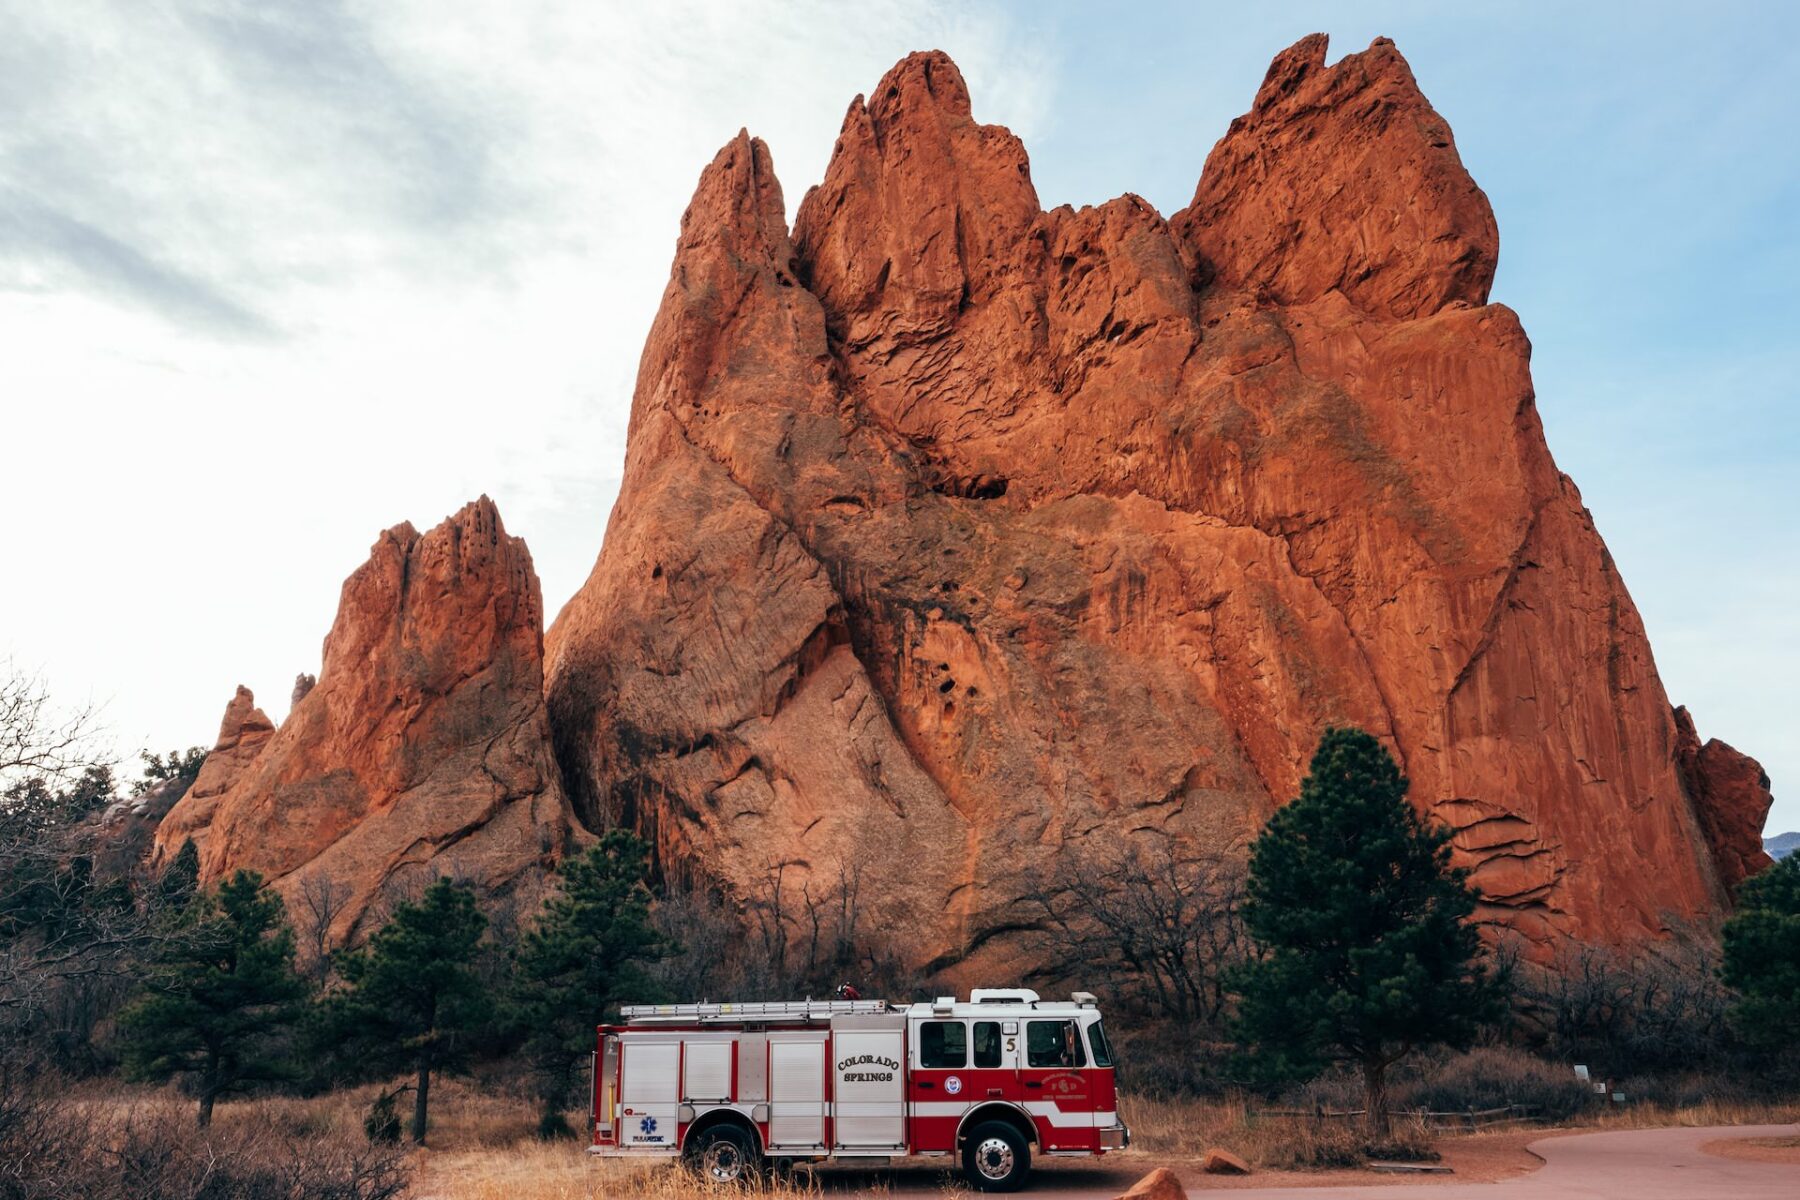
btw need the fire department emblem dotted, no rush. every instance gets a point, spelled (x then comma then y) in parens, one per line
(953, 1085)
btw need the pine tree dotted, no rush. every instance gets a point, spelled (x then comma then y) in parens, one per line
(585, 953)
(414, 1001)
(221, 990)
(1762, 957)
(180, 880)
(1361, 923)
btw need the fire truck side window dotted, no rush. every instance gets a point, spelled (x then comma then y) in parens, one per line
(987, 1043)
(943, 1044)
(1053, 1044)
(1103, 1056)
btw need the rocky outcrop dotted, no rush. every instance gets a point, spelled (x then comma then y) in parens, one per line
(423, 749)
(1730, 792)
(243, 733)
(955, 532)
(173, 810)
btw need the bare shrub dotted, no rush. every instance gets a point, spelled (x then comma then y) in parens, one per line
(797, 935)
(1491, 1077)
(321, 902)
(153, 1151)
(1163, 924)
(1662, 1008)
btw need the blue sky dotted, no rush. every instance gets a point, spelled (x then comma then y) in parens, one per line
(276, 275)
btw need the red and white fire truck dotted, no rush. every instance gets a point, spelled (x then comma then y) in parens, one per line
(731, 1087)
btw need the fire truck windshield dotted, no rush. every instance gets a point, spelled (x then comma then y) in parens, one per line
(1103, 1055)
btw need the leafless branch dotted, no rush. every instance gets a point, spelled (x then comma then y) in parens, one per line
(36, 737)
(1166, 924)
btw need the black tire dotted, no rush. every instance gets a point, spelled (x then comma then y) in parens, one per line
(996, 1157)
(723, 1155)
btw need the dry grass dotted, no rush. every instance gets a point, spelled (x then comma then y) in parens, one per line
(1186, 1128)
(482, 1144)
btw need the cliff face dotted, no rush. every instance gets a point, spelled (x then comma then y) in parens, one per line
(424, 749)
(955, 532)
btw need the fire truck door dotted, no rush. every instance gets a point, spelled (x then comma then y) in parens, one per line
(796, 1091)
(1055, 1086)
(869, 1078)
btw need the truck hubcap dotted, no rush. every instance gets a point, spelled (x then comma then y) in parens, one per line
(724, 1162)
(994, 1158)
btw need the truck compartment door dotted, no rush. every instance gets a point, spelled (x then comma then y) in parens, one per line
(797, 1093)
(647, 1099)
(868, 1096)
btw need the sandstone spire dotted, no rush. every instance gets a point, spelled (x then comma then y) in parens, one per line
(1342, 179)
(424, 748)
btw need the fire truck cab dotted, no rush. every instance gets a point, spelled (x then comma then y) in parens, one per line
(989, 1081)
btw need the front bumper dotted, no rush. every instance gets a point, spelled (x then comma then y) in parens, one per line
(1115, 1137)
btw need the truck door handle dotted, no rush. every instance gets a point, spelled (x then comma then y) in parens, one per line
(925, 1083)
(1033, 1083)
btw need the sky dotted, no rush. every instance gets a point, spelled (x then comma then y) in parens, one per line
(278, 274)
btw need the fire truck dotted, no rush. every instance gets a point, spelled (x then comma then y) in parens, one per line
(732, 1088)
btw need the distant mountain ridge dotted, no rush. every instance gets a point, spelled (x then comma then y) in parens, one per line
(1782, 845)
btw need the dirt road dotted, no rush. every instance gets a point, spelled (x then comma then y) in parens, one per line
(1633, 1164)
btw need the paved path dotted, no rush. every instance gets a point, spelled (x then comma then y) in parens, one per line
(1631, 1164)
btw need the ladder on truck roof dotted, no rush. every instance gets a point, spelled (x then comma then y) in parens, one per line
(756, 1010)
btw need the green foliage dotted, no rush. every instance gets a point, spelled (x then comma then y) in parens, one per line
(177, 764)
(1361, 924)
(381, 1124)
(180, 880)
(32, 807)
(221, 989)
(414, 1000)
(586, 953)
(1762, 957)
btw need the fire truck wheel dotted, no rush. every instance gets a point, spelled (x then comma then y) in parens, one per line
(996, 1158)
(725, 1154)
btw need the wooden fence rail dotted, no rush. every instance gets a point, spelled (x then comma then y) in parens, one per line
(1484, 1118)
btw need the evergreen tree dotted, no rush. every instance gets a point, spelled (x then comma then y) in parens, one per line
(1360, 920)
(1762, 957)
(180, 880)
(221, 990)
(414, 1001)
(585, 953)
(177, 764)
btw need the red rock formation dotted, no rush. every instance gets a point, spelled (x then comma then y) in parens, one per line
(954, 532)
(173, 810)
(424, 748)
(1731, 794)
(243, 733)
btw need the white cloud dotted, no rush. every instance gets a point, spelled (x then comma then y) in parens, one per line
(276, 276)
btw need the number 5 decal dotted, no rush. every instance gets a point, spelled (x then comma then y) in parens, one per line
(1012, 1045)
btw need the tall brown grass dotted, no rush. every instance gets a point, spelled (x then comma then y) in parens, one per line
(146, 1146)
